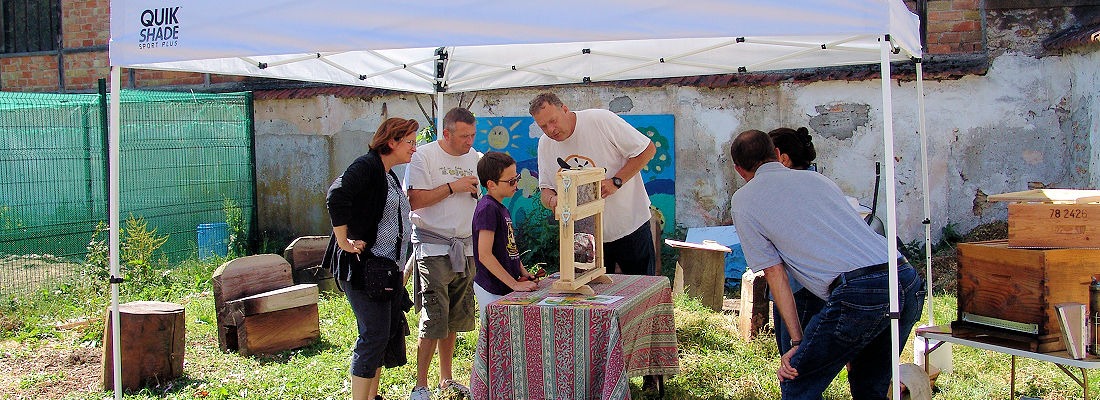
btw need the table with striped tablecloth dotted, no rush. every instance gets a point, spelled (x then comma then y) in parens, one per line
(533, 352)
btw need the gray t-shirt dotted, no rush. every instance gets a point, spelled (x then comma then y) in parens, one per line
(802, 219)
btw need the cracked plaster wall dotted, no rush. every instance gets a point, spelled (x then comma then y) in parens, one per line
(1027, 120)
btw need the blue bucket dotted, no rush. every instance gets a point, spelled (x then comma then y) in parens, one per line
(213, 239)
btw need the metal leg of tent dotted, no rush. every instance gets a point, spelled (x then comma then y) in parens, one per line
(885, 48)
(113, 200)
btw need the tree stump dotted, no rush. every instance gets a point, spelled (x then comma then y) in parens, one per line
(152, 344)
(755, 306)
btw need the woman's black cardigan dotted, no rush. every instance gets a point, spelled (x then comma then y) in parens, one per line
(356, 198)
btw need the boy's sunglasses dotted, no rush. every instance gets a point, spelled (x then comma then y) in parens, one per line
(511, 182)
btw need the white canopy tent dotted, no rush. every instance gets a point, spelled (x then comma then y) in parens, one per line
(437, 47)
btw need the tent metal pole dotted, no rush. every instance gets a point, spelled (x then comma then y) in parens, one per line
(924, 182)
(886, 48)
(438, 115)
(113, 199)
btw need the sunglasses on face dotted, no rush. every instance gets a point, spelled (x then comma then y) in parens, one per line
(512, 182)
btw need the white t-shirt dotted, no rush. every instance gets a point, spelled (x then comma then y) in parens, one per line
(602, 139)
(431, 167)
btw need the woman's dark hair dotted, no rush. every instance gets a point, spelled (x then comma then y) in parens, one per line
(491, 165)
(796, 144)
(390, 130)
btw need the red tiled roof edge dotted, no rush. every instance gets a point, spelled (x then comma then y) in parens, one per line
(936, 67)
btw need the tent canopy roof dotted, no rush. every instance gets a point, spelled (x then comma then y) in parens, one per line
(479, 44)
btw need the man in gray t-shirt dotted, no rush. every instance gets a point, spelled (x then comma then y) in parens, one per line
(798, 224)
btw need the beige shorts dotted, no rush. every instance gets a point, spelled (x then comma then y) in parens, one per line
(448, 297)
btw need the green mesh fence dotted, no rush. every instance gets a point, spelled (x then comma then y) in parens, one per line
(182, 155)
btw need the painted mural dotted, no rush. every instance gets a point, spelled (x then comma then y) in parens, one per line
(537, 233)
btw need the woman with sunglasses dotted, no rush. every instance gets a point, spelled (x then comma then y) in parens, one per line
(370, 216)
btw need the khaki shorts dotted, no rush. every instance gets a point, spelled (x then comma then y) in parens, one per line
(448, 297)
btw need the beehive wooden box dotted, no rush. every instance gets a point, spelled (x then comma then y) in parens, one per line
(1053, 218)
(1021, 286)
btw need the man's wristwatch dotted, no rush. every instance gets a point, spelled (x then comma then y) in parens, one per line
(795, 342)
(616, 181)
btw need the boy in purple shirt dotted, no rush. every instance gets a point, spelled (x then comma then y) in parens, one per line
(495, 247)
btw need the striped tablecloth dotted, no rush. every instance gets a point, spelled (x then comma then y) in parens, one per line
(532, 352)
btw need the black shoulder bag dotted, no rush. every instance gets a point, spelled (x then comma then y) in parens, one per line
(378, 277)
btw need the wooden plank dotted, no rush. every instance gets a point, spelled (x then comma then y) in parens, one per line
(279, 330)
(275, 300)
(588, 209)
(1045, 195)
(706, 245)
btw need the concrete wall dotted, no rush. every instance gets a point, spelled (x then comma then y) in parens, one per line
(1028, 120)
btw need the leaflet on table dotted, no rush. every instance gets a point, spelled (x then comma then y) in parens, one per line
(524, 301)
(597, 300)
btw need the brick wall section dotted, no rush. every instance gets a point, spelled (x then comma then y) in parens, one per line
(954, 27)
(29, 74)
(85, 23)
(165, 78)
(83, 70)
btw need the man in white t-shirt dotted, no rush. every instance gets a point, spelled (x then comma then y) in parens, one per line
(600, 138)
(443, 187)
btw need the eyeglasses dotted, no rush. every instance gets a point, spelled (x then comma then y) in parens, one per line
(512, 182)
(411, 142)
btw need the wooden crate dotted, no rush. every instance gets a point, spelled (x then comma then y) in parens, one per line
(1053, 218)
(1045, 225)
(1021, 286)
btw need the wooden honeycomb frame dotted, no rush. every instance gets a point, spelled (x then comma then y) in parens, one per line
(568, 183)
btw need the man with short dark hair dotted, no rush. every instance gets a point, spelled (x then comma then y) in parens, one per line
(796, 223)
(443, 187)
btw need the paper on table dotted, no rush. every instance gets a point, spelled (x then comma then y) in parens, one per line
(597, 300)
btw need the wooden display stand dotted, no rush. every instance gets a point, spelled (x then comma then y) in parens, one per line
(568, 211)
(151, 347)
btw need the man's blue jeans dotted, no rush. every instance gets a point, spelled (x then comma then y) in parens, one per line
(854, 327)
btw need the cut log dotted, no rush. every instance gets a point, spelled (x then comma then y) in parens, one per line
(754, 305)
(152, 344)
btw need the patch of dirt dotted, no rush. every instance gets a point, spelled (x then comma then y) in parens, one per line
(48, 371)
(945, 263)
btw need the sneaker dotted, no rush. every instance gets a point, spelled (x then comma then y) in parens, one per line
(452, 385)
(420, 393)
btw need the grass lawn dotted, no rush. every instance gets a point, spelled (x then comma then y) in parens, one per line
(40, 361)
